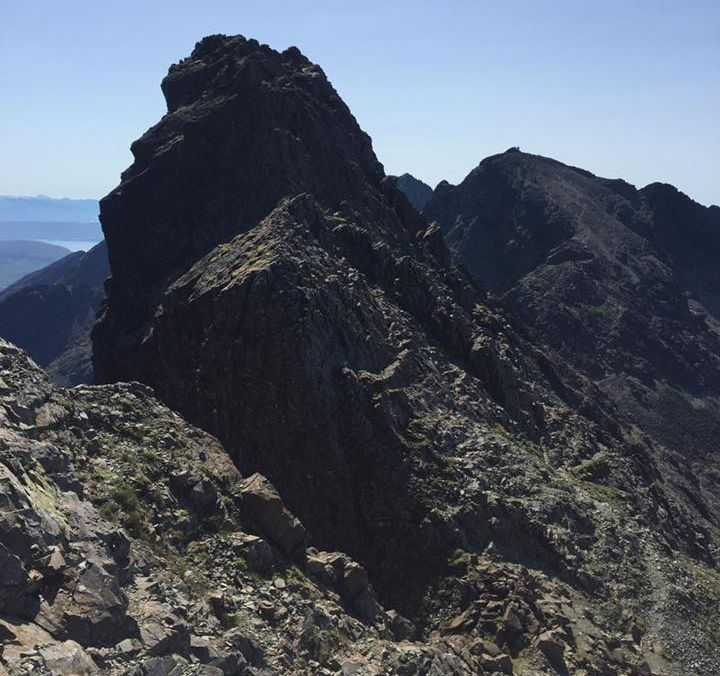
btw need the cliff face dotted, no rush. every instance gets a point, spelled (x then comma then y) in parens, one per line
(287, 298)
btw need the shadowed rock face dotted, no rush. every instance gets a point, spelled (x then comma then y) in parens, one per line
(287, 298)
(622, 284)
(245, 127)
(417, 192)
(298, 333)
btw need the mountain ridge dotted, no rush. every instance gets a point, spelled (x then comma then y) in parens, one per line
(336, 436)
(314, 321)
(19, 257)
(43, 208)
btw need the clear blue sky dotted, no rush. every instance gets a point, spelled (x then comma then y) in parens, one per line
(622, 88)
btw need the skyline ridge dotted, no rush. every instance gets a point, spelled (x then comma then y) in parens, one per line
(624, 91)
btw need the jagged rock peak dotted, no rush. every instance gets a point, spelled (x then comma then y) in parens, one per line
(222, 62)
(247, 126)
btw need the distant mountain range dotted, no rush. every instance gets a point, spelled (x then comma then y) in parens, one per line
(50, 230)
(47, 209)
(59, 222)
(28, 218)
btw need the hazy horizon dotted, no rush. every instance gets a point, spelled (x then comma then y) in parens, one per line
(624, 91)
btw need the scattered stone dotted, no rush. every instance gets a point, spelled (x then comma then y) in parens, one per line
(160, 639)
(202, 648)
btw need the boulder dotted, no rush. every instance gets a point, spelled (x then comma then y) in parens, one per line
(355, 579)
(162, 666)
(164, 639)
(497, 663)
(239, 642)
(349, 579)
(230, 664)
(67, 659)
(202, 648)
(402, 628)
(552, 646)
(254, 550)
(96, 613)
(197, 491)
(265, 509)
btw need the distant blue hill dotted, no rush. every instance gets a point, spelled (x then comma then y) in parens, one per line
(53, 231)
(19, 258)
(48, 209)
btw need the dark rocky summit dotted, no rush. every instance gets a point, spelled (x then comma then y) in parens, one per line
(623, 284)
(417, 192)
(50, 313)
(494, 493)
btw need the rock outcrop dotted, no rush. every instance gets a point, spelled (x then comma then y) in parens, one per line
(50, 313)
(129, 546)
(289, 299)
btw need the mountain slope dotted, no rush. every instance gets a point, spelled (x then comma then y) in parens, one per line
(19, 258)
(131, 545)
(621, 283)
(50, 313)
(79, 268)
(289, 299)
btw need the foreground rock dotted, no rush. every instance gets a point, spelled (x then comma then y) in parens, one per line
(262, 504)
(116, 561)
